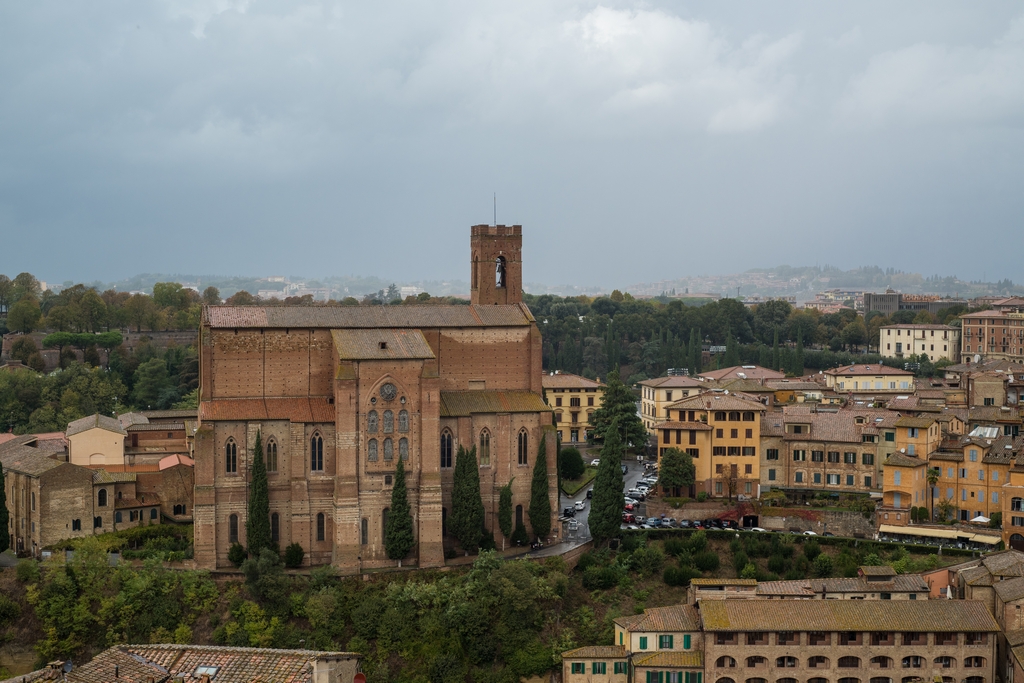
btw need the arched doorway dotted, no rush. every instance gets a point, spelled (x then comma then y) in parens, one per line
(1017, 542)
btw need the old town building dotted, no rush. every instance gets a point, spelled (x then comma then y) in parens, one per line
(938, 342)
(340, 394)
(993, 335)
(869, 379)
(658, 393)
(573, 400)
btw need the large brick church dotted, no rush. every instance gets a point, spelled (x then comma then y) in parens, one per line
(341, 393)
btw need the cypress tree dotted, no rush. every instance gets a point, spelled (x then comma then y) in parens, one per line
(398, 536)
(798, 366)
(775, 351)
(5, 534)
(606, 507)
(732, 353)
(505, 510)
(698, 354)
(467, 508)
(257, 525)
(540, 503)
(619, 406)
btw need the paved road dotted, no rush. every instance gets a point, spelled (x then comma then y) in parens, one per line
(635, 471)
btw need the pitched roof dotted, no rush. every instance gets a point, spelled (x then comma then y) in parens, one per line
(137, 663)
(714, 400)
(686, 659)
(17, 455)
(567, 380)
(157, 427)
(595, 652)
(380, 344)
(466, 403)
(872, 369)
(723, 582)
(291, 409)
(881, 570)
(748, 371)
(672, 382)
(1009, 563)
(97, 421)
(901, 460)
(176, 459)
(148, 500)
(694, 426)
(915, 422)
(105, 477)
(672, 618)
(129, 419)
(1010, 589)
(369, 317)
(993, 414)
(847, 615)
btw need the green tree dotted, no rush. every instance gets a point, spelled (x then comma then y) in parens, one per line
(211, 296)
(540, 502)
(467, 519)
(398, 533)
(505, 510)
(570, 463)
(151, 380)
(823, 565)
(5, 515)
(257, 525)
(933, 479)
(618, 406)
(606, 507)
(732, 353)
(24, 316)
(677, 471)
(775, 351)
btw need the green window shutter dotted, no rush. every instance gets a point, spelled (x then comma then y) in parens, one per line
(671, 640)
(648, 677)
(643, 642)
(686, 677)
(700, 675)
(620, 637)
(686, 644)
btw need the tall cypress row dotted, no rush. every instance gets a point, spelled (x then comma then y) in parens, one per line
(505, 510)
(398, 534)
(257, 525)
(467, 520)
(606, 507)
(775, 350)
(5, 515)
(540, 503)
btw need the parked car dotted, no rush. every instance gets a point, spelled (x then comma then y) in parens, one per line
(809, 533)
(757, 529)
(629, 506)
(636, 493)
(628, 518)
(684, 524)
(669, 522)
(624, 469)
(590, 493)
(595, 462)
(579, 505)
(630, 500)
(569, 512)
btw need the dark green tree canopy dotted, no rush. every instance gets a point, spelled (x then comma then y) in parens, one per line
(606, 506)
(570, 463)
(467, 518)
(257, 523)
(398, 535)
(676, 470)
(540, 502)
(618, 406)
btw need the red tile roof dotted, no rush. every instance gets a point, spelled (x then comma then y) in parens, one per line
(567, 380)
(291, 409)
(369, 317)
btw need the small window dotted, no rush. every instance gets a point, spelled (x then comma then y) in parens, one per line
(275, 527)
(316, 453)
(321, 526)
(364, 531)
(118, 517)
(403, 448)
(446, 449)
(231, 457)
(389, 450)
(371, 422)
(485, 448)
(371, 449)
(97, 522)
(152, 513)
(524, 444)
(389, 422)
(233, 529)
(271, 457)
(76, 525)
(101, 498)
(403, 421)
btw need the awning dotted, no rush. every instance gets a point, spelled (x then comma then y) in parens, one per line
(950, 534)
(981, 519)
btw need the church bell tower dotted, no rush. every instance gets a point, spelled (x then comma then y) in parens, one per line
(497, 272)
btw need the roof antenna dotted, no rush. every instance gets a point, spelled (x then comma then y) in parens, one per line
(495, 209)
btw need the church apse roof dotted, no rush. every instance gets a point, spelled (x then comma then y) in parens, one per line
(338, 317)
(381, 344)
(466, 403)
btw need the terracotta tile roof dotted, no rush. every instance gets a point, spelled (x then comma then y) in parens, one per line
(129, 419)
(1010, 589)
(883, 570)
(1009, 563)
(157, 427)
(916, 422)
(947, 456)
(173, 414)
(149, 500)
(137, 663)
(714, 400)
(105, 477)
(666, 619)
(673, 382)
(752, 372)
(873, 370)
(694, 426)
(977, 576)
(847, 615)
(567, 380)
(466, 403)
(18, 456)
(901, 460)
(93, 422)
(903, 403)
(177, 459)
(993, 414)
(596, 652)
(772, 424)
(752, 386)
(919, 326)
(291, 409)
(792, 385)
(369, 317)
(686, 659)
(381, 344)
(723, 582)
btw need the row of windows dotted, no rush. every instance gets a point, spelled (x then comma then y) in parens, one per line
(316, 455)
(275, 527)
(389, 449)
(484, 449)
(574, 402)
(665, 642)
(598, 667)
(733, 450)
(388, 426)
(848, 457)
(830, 479)
(878, 385)
(734, 416)
(876, 638)
(734, 434)
(821, 662)
(907, 679)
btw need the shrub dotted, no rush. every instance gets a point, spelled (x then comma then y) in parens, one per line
(595, 578)
(777, 563)
(570, 464)
(9, 611)
(237, 554)
(519, 536)
(698, 541)
(823, 566)
(28, 571)
(739, 561)
(675, 546)
(812, 550)
(647, 560)
(679, 576)
(293, 556)
(586, 561)
(706, 561)
(749, 571)
(702, 496)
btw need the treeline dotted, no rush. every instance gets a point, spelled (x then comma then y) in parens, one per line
(644, 338)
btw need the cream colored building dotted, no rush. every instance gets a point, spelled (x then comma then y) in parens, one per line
(869, 378)
(96, 441)
(573, 399)
(939, 342)
(657, 394)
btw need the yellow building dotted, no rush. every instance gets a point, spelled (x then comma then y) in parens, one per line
(972, 475)
(656, 395)
(904, 485)
(918, 436)
(573, 400)
(938, 342)
(869, 379)
(96, 441)
(722, 433)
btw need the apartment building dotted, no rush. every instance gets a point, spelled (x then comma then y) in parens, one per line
(657, 394)
(722, 433)
(972, 473)
(573, 399)
(892, 301)
(869, 379)
(993, 335)
(805, 451)
(938, 342)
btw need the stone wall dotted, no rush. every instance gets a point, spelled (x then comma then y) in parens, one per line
(838, 522)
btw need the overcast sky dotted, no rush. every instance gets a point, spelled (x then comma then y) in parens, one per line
(633, 141)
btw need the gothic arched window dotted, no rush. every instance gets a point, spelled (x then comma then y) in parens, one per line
(485, 448)
(271, 455)
(389, 422)
(446, 449)
(371, 450)
(499, 272)
(231, 457)
(275, 528)
(371, 422)
(233, 529)
(316, 453)
(403, 448)
(389, 449)
(102, 498)
(524, 445)
(364, 531)
(403, 420)
(321, 526)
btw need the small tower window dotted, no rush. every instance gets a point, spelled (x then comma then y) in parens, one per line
(271, 455)
(231, 457)
(389, 449)
(524, 443)
(485, 448)
(446, 449)
(500, 268)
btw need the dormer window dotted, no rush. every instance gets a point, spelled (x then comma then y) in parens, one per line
(383, 346)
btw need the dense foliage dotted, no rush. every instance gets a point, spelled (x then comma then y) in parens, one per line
(5, 515)
(570, 463)
(618, 408)
(398, 534)
(540, 501)
(606, 509)
(467, 519)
